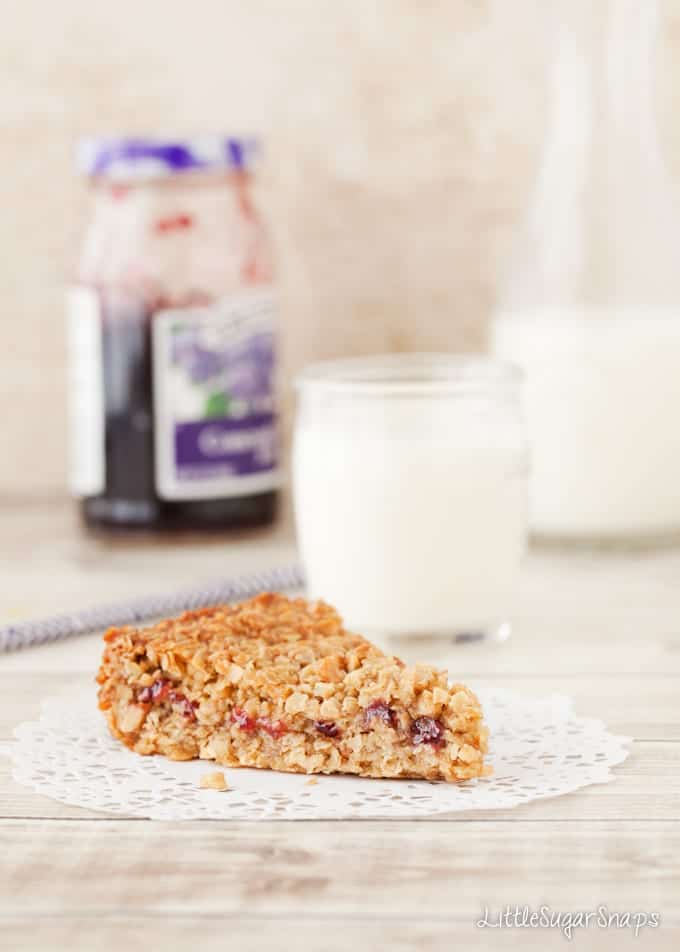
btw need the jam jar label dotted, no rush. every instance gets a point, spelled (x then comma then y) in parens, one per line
(85, 393)
(214, 398)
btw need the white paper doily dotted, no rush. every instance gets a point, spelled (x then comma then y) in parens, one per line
(538, 748)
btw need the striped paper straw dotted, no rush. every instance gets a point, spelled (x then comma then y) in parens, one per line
(25, 634)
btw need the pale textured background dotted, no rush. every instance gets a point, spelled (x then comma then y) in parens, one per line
(402, 138)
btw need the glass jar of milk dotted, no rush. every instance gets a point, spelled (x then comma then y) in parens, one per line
(409, 488)
(591, 308)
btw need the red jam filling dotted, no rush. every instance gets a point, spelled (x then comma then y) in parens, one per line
(250, 724)
(186, 707)
(243, 720)
(156, 692)
(426, 730)
(327, 728)
(161, 690)
(381, 711)
(273, 728)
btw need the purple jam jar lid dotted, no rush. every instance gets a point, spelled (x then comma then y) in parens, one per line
(133, 158)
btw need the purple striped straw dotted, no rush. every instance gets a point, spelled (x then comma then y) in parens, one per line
(25, 634)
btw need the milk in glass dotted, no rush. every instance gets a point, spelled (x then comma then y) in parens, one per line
(410, 494)
(590, 308)
(601, 395)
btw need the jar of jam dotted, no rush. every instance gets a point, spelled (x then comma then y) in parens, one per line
(171, 331)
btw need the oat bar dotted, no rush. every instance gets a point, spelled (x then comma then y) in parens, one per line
(279, 683)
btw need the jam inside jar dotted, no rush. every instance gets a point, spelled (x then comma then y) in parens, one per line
(172, 341)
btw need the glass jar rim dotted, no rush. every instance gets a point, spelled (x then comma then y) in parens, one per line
(412, 374)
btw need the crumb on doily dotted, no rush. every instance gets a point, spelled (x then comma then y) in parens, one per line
(214, 781)
(311, 782)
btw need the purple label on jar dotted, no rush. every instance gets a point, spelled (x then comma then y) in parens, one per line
(214, 398)
(221, 447)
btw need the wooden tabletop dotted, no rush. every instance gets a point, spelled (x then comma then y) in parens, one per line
(601, 627)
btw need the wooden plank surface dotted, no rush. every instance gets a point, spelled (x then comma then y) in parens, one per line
(217, 934)
(284, 868)
(602, 627)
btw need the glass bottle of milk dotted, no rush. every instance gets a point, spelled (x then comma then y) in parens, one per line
(591, 310)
